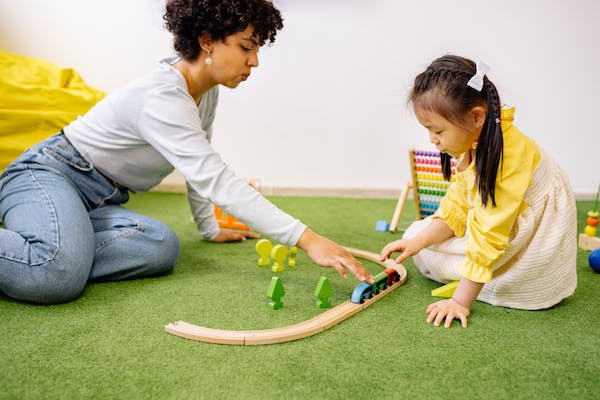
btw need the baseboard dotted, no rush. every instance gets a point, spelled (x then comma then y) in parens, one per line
(365, 193)
(177, 187)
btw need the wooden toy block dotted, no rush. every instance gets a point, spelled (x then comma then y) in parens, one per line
(589, 242)
(446, 290)
(382, 226)
(278, 255)
(228, 221)
(263, 248)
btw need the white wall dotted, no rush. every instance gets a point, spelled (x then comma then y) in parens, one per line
(327, 106)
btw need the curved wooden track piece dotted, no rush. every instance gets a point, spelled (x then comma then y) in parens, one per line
(292, 332)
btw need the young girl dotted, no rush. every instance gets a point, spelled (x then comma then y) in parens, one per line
(507, 225)
(61, 200)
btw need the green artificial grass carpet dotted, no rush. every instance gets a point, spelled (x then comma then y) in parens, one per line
(111, 343)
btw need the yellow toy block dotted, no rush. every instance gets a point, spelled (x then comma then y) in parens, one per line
(446, 290)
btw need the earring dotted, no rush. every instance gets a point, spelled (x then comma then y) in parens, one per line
(208, 60)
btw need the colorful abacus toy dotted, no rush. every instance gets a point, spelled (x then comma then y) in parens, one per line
(429, 185)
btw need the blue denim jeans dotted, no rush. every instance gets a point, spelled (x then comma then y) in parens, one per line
(64, 225)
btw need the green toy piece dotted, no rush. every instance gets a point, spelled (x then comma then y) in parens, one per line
(446, 290)
(263, 248)
(278, 254)
(275, 293)
(292, 258)
(323, 292)
(380, 282)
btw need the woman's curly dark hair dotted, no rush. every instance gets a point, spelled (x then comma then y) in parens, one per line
(188, 19)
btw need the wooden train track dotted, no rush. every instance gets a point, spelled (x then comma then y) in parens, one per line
(292, 332)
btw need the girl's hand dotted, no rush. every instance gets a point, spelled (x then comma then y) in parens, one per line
(234, 235)
(449, 310)
(407, 247)
(436, 232)
(327, 253)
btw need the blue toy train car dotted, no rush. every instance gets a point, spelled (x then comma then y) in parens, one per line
(381, 281)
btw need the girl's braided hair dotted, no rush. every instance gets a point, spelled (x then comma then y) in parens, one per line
(442, 88)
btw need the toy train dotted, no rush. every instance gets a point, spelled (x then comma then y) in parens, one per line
(381, 281)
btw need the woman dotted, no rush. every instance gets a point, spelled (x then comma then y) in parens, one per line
(61, 201)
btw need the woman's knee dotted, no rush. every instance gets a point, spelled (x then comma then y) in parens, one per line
(57, 281)
(167, 250)
(58, 278)
(157, 248)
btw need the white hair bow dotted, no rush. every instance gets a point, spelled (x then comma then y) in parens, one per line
(476, 81)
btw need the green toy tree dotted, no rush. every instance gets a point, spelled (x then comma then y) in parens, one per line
(323, 292)
(275, 293)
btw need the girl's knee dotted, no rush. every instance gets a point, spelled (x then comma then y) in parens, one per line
(416, 227)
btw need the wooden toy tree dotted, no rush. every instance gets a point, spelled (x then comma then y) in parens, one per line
(263, 249)
(292, 256)
(323, 292)
(275, 293)
(278, 255)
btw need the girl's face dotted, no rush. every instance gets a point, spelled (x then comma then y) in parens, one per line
(448, 137)
(234, 57)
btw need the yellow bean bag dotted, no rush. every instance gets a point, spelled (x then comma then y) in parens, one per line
(37, 99)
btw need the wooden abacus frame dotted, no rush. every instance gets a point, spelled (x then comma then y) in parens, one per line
(304, 329)
(434, 185)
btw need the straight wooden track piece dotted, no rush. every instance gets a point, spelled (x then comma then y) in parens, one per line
(301, 330)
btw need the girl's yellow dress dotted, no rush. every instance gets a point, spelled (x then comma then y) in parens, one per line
(525, 248)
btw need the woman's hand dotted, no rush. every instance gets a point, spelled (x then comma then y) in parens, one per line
(448, 310)
(234, 235)
(327, 253)
(407, 247)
